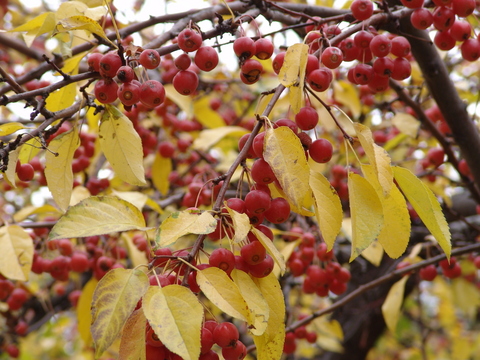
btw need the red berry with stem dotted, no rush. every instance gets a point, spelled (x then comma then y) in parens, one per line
(463, 8)
(470, 49)
(262, 269)
(263, 48)
(332, 56)
(25, 172)
(279, 211)
(253, 253)
(129, 93)
(206, 340)
(321, 151)
(105, 91)
(152, 93)
(236, 204)
(257, 201)
(189, 40)
(380, 45)
(361, 9)
(241, 143)
(428, 273)
(349, 49)
(222, 259)
(149, 59)
(307, 118)
(362, 39)
(400, 46)
(421, 18)
(125, 74)
(251, 70)
(444, 41)
(237, 352)
(226, 335)
(443, 18)
(401, 69)
(363, 74)
(320, 79)
(383, 66)
(206, 58)
(109, 64)
(93, 61)
(182, 62)
(185, 82)
(278, 62)
(262, 172)
(244, 48)
(461, 30)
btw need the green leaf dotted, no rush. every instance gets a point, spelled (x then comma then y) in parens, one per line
(98, 215)
(122, 146)
(426, 205)
(114, 300)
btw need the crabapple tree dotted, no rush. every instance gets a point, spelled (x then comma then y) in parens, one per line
(243, 179)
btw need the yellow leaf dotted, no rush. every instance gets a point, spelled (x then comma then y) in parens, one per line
(133, 197)
(257, 305)
(241, 224)
(84, 317)
(346, 94)
(271, 249)
(29, 150)
(10, 128)
(426, 205)
(176, 316)
(374, 253)
(328, 208)
(79, 193)
(71, 8)
(366, 213)
(207, 138)
(185, 103)
(182, 223)
(58, 169)
(466, 297)
(377, 157)
(393, 304)
(407, 124)
(80, 22)
(114, 299)
(25, 212)
(16, 249)
(37, 26)
(9, 174)
(161, 169)
(223, 292)
(395, 233)
(270, 344)
(132, 343)
(62, 98)
(205, 115)
(122, 146)
(289, 74)
(330, 334)
(285, 154)
(98, 215)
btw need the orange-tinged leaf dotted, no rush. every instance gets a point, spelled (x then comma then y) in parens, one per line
(205, 115)
(114, 300)
(377, 157)
(270, 344)
(132, 343)
(259, 311)
(98, 215)
(80, 22)
(122, 146)
(161, 169)
(58, 169)
(84, 316)
(176, 316)
(285, 154)
(366, 213)
(426, 205)
(241, 224)
(328, 208)
(10, 128)
(393, 304)
(16, 249)
(395, 233)
(185, 222)
(208, 138)
(271, 249)
(223, 292)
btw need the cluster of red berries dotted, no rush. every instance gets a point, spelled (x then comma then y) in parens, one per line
(291, 338)
(322, 273)
(225, 335)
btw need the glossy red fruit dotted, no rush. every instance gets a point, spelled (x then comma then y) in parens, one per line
(152, 93)
(443, 18)
(93, 61)
(400, 46)
(380, 45)
(237, 352)
(189, 40)
(244, 47)
(262, 172)
(361, 9)
(262, 269)
(307, 118)
(428, 273)
(253, 253)
(129, 93)
(257, 201)
(222, 259)
(470, 49)
(125, 74)
(109, 64)
(278, 62)
(149, 59)
(106, 91)
(332, 56)
(263, 48)
(206, 58)
(226, 335)
(321, 151)
(250, 71)
(421, 18)
(25, 172)
(279, 211)
(185, 82)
